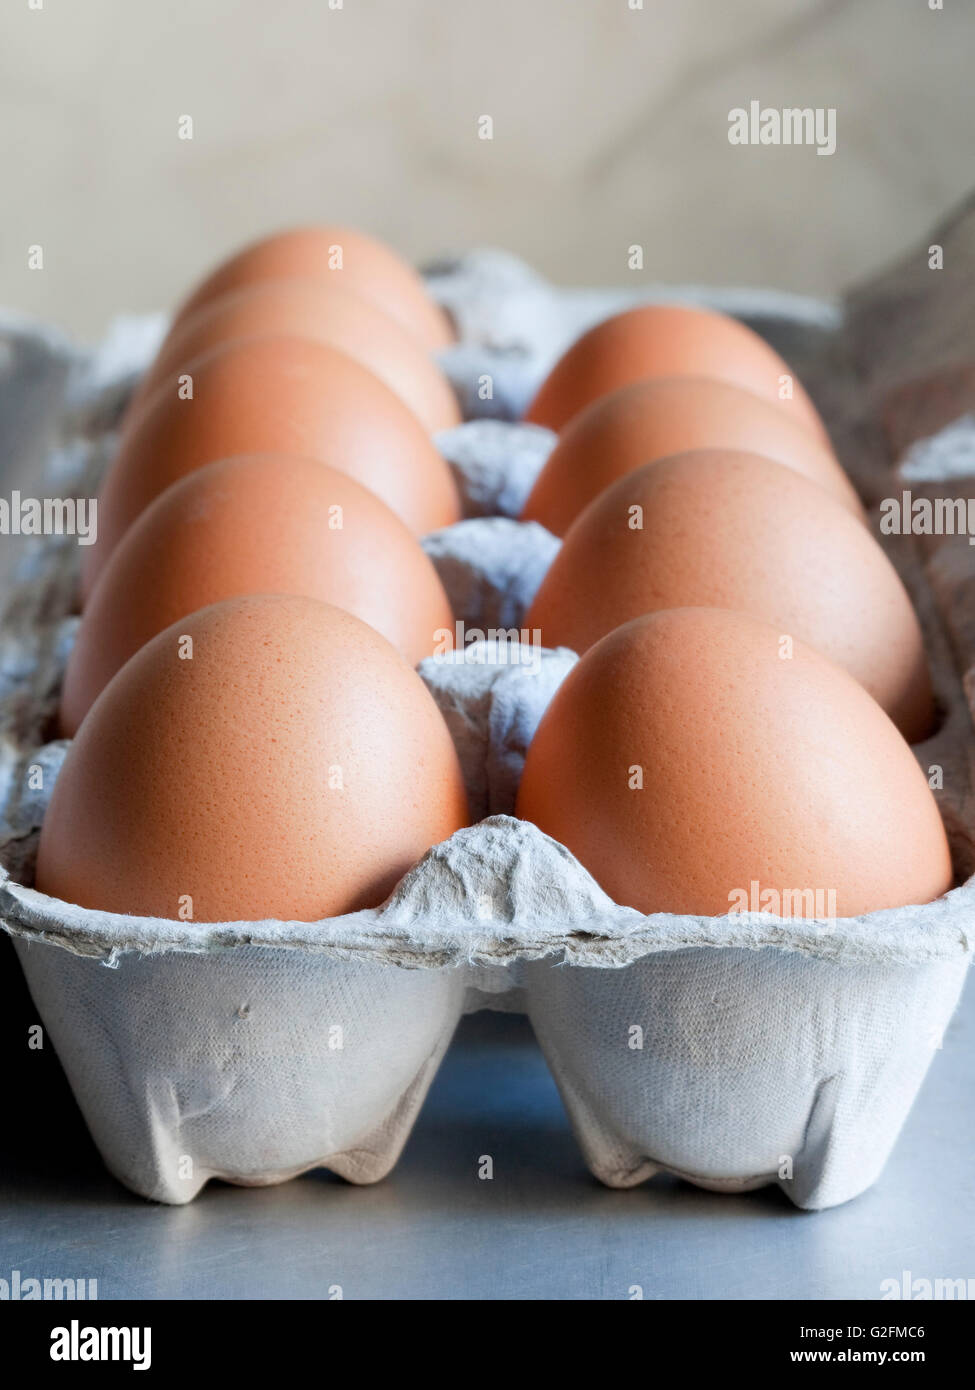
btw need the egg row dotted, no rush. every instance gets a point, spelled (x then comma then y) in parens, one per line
(251, 740)
(280, 443)
(250, 736)
(735, 734)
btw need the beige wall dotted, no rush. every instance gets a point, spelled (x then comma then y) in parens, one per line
(610, 128)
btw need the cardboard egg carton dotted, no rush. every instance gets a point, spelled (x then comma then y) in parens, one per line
(734, 1051)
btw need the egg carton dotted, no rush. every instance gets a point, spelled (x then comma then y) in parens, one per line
(733, 1051)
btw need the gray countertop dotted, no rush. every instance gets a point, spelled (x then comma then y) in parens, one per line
(542, 1228)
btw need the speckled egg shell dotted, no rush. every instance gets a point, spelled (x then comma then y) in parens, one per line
(684, 761)
(666, 341)
(722, 529)
(276, 395)
(267, 524)
(334, 255)
(652, 419)
(293, 766)
(327, 314)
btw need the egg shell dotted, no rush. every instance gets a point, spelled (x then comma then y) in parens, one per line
(276, 395)
(334, 255)
(652, 419)
(725, 529)
(267, 524)
(684, 761)
(292, 767)
(327, 314)
(665, 341)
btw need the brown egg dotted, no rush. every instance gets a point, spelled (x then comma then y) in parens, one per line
(691, 768)
(276, 395)
(651, 419)
(327, 314)
(667, 341)
(720, 529)
(288, 764)
(335, 255)
(267, 524)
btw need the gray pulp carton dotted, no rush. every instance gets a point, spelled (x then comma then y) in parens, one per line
(734, 1051)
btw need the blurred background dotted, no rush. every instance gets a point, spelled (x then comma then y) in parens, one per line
(610, 129)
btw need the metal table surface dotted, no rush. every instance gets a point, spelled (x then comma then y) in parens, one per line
(541, 1228)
